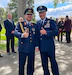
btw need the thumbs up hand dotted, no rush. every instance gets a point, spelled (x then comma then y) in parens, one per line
(26, 34)
(43, 32)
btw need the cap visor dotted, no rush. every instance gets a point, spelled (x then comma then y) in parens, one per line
(41, 11)
(29, 13)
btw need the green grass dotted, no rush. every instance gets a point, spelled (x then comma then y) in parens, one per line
(2, 34)
(3, 30)
(3, 45)
(3, 38)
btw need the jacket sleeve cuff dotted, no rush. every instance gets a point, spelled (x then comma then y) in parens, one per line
(22, 36)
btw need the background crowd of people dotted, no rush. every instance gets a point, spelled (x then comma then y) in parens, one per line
(64, 27)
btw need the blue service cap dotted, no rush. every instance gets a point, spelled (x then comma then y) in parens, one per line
(41, 8)
(29, 11)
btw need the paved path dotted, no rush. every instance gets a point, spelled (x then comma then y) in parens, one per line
(9, 63)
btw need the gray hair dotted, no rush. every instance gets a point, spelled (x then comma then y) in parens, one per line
(9, 14)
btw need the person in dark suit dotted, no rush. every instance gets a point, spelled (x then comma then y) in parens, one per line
(57, 21)
(9, 26)
(26, 33)
(60, 29)
(67, 27)
(57, 25)
(46, 30)
(0, 37)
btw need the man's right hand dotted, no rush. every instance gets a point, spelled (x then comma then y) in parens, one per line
(26, 35)
(12, 32)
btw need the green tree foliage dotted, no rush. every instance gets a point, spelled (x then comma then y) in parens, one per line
(13, 7)
(60, 1)
(30, 3)
(2, 11)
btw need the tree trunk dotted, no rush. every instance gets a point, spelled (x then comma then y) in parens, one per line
(21, 8)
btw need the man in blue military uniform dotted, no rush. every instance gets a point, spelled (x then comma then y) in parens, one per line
(9, 26)
(46, 31)
(26, 33)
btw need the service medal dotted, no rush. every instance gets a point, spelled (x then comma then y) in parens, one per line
(47, 25)
(33, 29)
(24, 23)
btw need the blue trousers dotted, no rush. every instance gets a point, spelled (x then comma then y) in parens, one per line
(30, 63)
(54, 66)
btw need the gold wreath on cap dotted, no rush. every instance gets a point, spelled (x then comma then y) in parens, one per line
(30, 11)
(40, 7)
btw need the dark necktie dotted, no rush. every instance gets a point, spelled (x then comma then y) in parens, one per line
(42, 23)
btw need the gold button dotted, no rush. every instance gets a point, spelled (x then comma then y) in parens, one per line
(30, 34)
(33, 32)
(40, 34)
(40, 38)
(21, 42)
(30, 40)
(30, 31)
